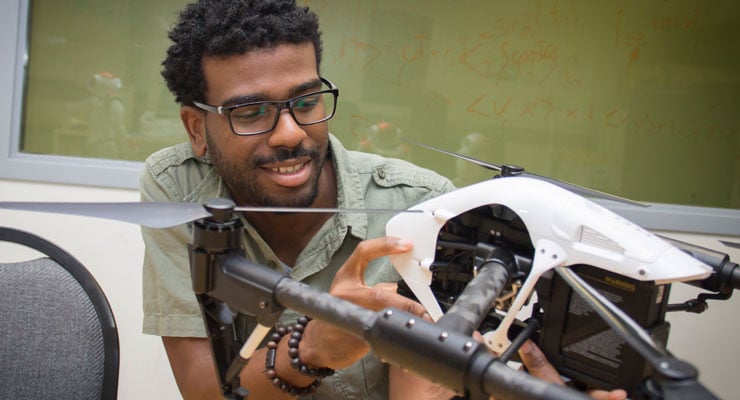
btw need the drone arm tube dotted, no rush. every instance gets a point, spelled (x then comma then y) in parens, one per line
(446, 357)
(480, 294)
(520, 386)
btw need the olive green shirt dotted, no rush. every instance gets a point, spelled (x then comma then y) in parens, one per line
(363, 181)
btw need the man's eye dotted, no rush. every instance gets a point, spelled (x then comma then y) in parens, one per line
(307, 103)
(249, 113)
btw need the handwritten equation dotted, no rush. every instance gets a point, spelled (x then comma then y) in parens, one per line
(636, 122)
(547, 61)
(530, 45)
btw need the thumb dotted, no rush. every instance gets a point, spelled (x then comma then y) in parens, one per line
(537, 364)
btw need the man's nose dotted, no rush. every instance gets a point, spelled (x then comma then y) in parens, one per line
(287, 132)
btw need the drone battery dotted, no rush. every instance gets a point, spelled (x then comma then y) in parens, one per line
(581, 345)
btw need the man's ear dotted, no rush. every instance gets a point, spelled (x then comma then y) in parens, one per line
(194, 121)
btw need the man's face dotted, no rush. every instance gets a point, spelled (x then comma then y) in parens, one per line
(280, 167)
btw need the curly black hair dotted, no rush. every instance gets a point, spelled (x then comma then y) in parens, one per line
(231, 27)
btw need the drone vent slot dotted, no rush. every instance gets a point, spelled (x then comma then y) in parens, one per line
(593, 238)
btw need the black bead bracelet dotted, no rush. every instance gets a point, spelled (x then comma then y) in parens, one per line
(296, 334)
(295, 361)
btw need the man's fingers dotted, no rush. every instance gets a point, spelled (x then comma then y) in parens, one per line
(617, 394)
(539, 367)
(537, 363)
(349, 283)
(369, 250)
(381, 296)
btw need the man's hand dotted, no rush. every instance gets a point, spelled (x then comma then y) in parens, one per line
(324, 345)
(349, 282)
(538, 366)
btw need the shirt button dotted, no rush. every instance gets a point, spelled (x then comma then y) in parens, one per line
(381, 172)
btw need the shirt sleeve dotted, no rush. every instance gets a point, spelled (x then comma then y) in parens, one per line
(170, 305)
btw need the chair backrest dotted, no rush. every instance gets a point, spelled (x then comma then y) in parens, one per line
(58, 336)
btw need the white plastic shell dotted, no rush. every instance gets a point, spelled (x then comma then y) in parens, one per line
(561, 223)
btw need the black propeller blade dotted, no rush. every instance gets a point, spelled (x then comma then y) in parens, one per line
(586, 192)
(163, 214)
(312, 210)
(152, 214)
(730, 244)
(509, 170)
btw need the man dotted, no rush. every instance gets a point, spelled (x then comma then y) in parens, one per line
(247, 77)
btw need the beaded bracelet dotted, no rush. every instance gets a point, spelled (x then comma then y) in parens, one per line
(295, 362)
(296, 334)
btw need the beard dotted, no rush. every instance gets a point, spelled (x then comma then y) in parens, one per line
(240, 176)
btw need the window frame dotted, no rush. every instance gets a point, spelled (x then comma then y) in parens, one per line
(16, 165)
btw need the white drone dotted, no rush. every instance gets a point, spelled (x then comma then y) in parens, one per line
(565, 229)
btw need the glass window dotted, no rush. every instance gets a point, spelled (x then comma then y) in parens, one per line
(634, 100)
(93, 84)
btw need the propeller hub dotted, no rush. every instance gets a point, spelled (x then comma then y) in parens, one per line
(220, 209)
(511, 170)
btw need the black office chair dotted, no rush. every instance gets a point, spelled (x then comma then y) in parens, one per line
(58, 336)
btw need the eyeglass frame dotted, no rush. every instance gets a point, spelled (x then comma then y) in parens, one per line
(281, 105)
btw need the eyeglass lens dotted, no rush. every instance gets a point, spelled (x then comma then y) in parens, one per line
(261, 117)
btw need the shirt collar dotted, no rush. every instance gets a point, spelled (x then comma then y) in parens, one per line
(349, 189)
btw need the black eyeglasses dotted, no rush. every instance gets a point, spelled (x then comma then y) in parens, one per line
(262, 116)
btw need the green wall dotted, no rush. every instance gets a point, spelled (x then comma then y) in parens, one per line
(635, 98)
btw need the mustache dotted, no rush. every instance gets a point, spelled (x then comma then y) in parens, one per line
(284, 154)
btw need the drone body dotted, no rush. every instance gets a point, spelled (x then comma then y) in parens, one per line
(565, 229)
